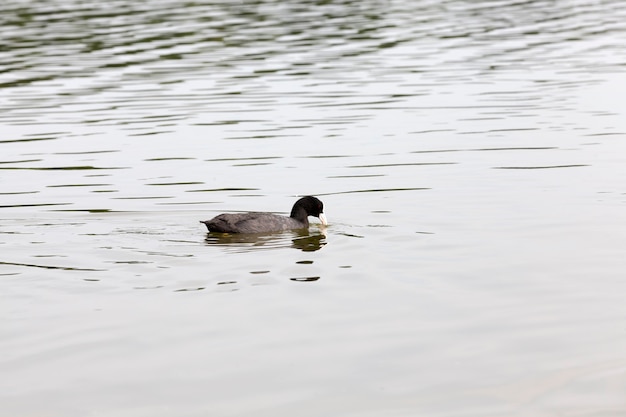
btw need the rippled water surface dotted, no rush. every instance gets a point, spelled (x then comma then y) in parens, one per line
(470, 156)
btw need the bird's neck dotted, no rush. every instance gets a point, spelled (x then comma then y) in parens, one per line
(300, 215)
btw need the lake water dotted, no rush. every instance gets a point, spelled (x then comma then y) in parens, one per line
(470, 156)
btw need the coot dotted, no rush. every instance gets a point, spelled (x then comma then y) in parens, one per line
(267, 222)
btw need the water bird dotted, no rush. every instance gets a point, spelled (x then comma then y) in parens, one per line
(258, 222)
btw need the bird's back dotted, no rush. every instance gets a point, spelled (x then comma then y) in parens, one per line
(251, 223)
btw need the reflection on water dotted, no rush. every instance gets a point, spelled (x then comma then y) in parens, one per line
(305, 279)
(300, 239)
(310, 243)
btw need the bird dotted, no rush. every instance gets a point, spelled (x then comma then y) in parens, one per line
(260, 222)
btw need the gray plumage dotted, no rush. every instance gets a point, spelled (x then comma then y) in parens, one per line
(256, 222)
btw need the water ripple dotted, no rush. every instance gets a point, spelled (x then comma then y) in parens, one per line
(168, 98)
(130, 55)
(65, 268)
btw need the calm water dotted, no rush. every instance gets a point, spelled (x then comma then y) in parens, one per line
(470, 155)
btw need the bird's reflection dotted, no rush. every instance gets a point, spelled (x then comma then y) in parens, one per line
(304, 240)
(309, 242)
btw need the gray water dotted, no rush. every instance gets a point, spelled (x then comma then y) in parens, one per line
(470, 156)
